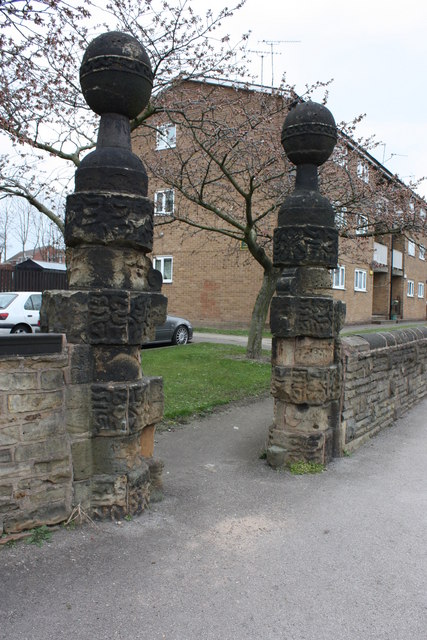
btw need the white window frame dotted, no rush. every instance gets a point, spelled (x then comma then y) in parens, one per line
(340, 216)
(360, 278)
(363, 171)
(159, 264)
(411, 248)
(422, 254)
(410, 289)
(161, 203)
(362, 225)
(421, 289)
(338, 277)
(340, 156)
(166, 136)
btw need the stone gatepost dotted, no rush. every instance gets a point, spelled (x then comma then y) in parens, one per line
(114, 299)
(305, 320)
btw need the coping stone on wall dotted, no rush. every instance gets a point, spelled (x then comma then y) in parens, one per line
(386, 338)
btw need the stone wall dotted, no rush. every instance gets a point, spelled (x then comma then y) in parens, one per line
(384, 376)
(46, 451)
(35, 453)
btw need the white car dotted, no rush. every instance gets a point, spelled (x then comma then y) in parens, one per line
(20, 312)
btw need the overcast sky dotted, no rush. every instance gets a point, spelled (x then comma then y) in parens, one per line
(376, 52)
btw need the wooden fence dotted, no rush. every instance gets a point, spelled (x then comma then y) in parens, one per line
(31, 280)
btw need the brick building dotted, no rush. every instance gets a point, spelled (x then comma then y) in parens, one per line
(213, 280)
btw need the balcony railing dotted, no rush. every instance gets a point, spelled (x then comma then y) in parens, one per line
(380, 254)
(397, 261)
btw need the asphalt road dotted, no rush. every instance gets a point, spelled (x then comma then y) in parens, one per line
(237, 551)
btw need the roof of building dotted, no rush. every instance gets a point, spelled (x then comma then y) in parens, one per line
(48, 266)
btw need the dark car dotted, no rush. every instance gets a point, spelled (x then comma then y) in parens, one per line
(175, 330)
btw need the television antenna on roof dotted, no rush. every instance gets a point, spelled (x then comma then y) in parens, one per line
(272, 44)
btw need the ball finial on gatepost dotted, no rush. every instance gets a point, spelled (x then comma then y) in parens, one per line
(116, 75)
(309, 134)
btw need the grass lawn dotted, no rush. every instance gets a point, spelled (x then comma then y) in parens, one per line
(344, 332)
(199, 377)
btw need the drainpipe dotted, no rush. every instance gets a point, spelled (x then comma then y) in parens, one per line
(391, 277)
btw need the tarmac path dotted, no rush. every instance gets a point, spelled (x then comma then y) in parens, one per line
(237, 551)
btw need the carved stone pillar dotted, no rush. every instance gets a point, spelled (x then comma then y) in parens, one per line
(114, 299)
(305, 320)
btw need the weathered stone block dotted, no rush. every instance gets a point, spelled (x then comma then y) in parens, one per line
(308, 385)
(109, 495)
(306, 316)
(109, 317)
(78, 412)
(82, 494)
(116, 456)
(31, 402)
(6, 455)
(116, 364)
(18, 381)
(305, 245)
(109, 408)
(13, 470)
(6, 490)
(104, 219)
(139, 489)
(113, 267)
(302, 446)
(116, 317)
(9, 435)
(81, 364)
(50, 380)
(303, 418)
(118, 408)
(81, 453)
(51, 449)
(276, 456)
(57, 471)
(314, 352)
(44, 427)
(45, 514)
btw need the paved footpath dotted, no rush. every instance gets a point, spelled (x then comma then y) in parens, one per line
(237, 551)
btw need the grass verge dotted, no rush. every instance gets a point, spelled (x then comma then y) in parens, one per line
(229, 332)
(345, 332)
(199, 377)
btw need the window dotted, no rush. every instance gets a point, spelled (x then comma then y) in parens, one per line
(34, 302)
(363, 171)
(422, 252)
(166, 136)
(340, 216)
(362, 225)
(359, 280)
(410, 293)
(164, 264)
(423, 214)
(340, 156)
(421, 289)
(338, 278)
(411, 248)
(164, 202)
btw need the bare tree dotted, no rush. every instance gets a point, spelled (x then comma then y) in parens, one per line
(42, 112)
(4, 229)
(230, 165)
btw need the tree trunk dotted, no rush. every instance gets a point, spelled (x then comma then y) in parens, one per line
(259, 313)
